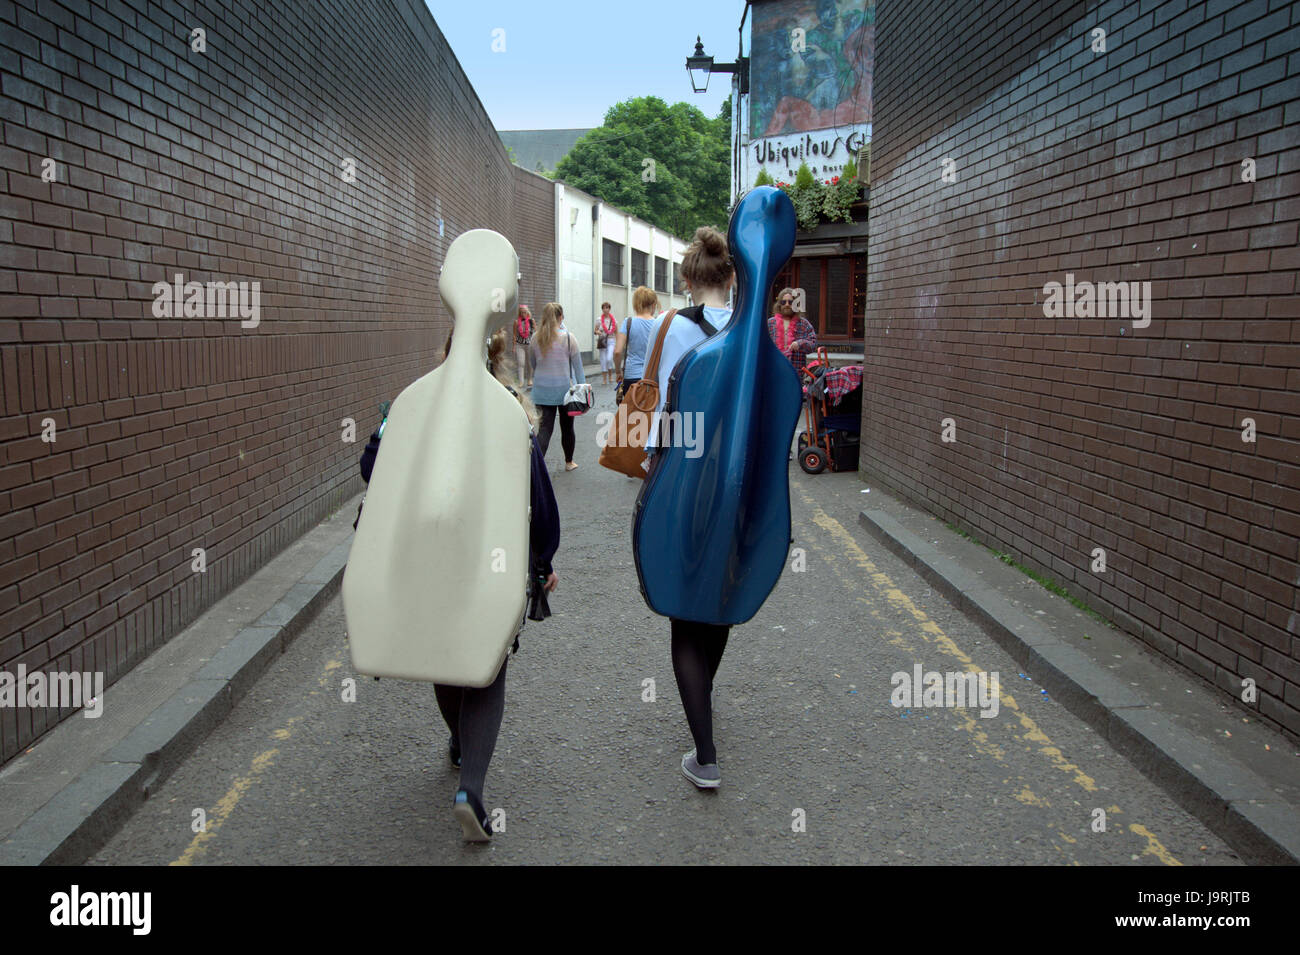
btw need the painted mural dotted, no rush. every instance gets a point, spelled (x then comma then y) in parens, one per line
(811, 66)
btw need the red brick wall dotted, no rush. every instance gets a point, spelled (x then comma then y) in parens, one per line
(1073, 434)
(224, 165)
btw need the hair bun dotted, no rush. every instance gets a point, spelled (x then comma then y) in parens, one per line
(713, 241)
(707, 262)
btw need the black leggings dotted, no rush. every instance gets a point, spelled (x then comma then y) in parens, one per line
(697, 651)
(473, 715)
(567, 439)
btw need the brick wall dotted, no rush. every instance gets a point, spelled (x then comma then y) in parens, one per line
(534, 238)
(224, 165)
(1079, 433)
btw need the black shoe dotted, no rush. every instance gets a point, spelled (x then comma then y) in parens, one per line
(453, 751)
(474, 822)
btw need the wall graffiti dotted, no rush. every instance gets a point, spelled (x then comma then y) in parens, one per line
(812, 64)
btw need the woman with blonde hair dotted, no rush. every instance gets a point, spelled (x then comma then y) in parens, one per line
(473, 714)
(557, 362)
(633, 339)
(523, 334)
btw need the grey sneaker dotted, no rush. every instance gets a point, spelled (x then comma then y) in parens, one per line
(704, 777)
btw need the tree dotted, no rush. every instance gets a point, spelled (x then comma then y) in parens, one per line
(666, 164)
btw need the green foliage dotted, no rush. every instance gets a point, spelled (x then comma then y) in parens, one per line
(840, 196)
(816, 199)
(808, 205)
(669, 165)
(764, 178)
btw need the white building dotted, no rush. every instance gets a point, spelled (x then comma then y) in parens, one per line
(602, 254)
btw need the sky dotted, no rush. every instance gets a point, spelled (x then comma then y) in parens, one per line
(566, 62)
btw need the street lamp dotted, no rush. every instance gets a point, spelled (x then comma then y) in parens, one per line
(700, 65)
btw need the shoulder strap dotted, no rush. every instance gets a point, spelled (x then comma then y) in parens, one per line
(651, 372)
(696, 314)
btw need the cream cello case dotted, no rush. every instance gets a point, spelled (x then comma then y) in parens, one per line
(435, 583)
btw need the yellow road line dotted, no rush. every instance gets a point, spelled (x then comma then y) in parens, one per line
(1154, 848)
(227, 804)
(931, 632)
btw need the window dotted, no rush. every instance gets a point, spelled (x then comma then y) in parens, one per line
(640, 268)
(859, 317)
(679, 288)
(612, 263)
(661, 274)
(835, 291)
(839, 293)
(810, 280)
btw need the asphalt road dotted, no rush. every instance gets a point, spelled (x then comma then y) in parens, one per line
(588, 771)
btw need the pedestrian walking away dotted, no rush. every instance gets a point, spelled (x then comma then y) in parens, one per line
(633, 340)
(697, 648)
(556, 362)
(473, 714)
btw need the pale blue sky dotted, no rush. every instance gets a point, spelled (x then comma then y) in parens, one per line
(565, 63)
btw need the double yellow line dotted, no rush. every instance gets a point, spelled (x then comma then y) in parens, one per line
(845, 546)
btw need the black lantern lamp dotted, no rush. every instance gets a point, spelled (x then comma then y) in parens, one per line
(700, 65)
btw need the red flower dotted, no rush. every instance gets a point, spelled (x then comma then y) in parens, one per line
(836, 179)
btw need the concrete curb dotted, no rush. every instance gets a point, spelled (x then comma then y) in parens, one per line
(86, 813)
(1233, 801)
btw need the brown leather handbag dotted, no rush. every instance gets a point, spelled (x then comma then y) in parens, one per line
(624, 449)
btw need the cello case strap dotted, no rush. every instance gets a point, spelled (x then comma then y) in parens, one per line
(696, 314)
